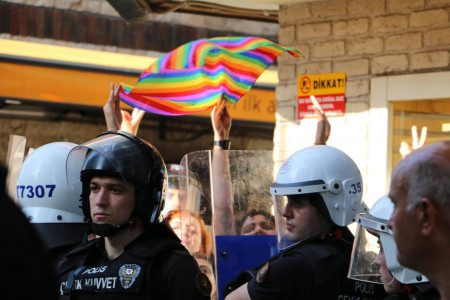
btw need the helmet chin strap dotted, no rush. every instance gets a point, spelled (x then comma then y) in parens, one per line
(392, 280)
(108, 230)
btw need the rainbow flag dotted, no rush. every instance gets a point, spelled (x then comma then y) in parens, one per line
(193, 77)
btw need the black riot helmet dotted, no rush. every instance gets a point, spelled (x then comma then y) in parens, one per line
(124, 156)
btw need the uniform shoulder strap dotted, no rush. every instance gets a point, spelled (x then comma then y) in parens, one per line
(76, 257)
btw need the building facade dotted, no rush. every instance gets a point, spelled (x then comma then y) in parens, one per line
(395, 55)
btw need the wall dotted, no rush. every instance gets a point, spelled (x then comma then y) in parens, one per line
(365, 39)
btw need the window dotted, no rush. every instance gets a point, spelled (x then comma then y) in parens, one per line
(395, 103)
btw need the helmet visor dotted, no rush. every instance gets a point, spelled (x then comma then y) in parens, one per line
(367, 255)
(109, 155)
(77, 160)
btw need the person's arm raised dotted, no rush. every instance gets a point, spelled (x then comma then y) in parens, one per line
(222, 191)
(117, 119)
(111, 109)
(323, 126)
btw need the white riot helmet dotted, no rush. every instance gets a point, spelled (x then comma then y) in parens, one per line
(325, 170)
(47, 200)
(321, 170)
(372, 229)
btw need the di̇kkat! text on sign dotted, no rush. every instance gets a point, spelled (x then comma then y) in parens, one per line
(329, 90)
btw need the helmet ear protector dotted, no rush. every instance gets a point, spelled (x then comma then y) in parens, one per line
(156, 190)
(149, 192)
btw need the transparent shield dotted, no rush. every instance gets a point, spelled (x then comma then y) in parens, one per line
(193, 222)
(366, 256)
(172, 201)
(229, 191)
(242, 202)
(14, 161)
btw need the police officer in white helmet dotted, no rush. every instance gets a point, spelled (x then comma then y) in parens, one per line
(375, 247)
(48, 202)
(317, 193)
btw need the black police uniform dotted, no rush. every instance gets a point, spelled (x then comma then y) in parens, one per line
(313, 269)
(425, 291)
(153, 266)
(417, 291)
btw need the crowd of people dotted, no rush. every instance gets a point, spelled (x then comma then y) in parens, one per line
(110, 225)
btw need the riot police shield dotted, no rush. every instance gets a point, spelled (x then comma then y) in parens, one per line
(14, 161)
(235, 208)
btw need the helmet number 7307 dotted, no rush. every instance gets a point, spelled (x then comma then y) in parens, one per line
(35, 191)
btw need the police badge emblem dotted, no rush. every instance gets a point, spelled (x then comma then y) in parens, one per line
(262, 272)
(286, 166)
(128, 274)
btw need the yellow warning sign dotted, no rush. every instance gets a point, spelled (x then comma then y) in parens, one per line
(321, 84)
(328, 90)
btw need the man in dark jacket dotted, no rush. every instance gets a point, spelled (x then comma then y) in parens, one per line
(420, 221)
(138, 255)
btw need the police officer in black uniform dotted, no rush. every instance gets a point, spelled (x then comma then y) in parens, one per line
(137, 256)
(317, 192)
